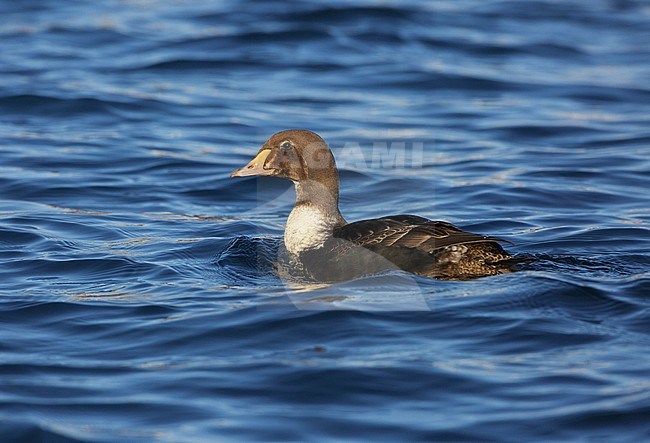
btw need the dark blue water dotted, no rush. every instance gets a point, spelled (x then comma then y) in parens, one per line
(138, 297)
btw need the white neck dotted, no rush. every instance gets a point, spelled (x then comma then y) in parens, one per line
(313, 218)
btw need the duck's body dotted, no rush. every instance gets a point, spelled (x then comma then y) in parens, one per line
(317, 234)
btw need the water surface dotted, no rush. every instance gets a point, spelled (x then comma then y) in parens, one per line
(138, 300)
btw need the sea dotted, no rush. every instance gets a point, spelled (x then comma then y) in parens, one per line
(140, 298)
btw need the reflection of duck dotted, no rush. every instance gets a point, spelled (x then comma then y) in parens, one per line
(316, 229)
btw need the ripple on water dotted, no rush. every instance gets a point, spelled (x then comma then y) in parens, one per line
(140, 298)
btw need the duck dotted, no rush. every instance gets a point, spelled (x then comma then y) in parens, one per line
(330, 248)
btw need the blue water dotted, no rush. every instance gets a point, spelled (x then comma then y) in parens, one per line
(139, 299)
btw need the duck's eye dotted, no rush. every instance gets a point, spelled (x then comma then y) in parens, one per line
(286, 145)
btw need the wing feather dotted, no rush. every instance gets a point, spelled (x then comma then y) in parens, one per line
(408, 231)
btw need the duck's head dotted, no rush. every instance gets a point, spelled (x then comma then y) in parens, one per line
(295, 154)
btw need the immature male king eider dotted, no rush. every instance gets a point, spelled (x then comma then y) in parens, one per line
(334, 249)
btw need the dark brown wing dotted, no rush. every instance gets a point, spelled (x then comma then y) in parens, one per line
(408, 231)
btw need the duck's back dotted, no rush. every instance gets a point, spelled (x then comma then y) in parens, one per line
(429, 248)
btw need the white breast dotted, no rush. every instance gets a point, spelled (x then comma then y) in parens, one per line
(307, 228)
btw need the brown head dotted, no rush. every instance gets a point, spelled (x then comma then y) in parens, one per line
(296, 154)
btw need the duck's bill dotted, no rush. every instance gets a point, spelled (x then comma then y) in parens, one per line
(255, 166)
